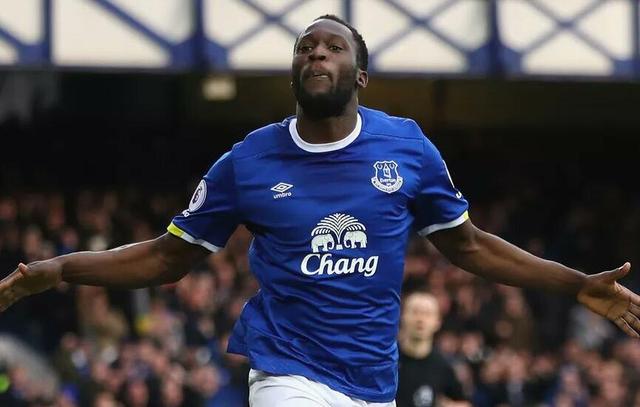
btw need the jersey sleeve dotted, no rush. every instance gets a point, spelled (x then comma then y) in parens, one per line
(438, 204)
(212, 215)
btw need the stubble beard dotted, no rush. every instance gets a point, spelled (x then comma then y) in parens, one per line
(329, 104)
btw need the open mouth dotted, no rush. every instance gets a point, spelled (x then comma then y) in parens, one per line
(319, 75)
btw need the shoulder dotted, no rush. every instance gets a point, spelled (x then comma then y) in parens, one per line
(255, 143)
(261, 140)
(380, 123)
(438, 359)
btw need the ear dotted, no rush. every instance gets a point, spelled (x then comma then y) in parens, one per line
(362, 79)
(438, 324)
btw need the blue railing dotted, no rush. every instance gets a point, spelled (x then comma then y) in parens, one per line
(492, 57)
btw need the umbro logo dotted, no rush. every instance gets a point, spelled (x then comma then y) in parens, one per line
(281, 188)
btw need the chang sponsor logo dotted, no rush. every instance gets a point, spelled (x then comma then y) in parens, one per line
(338, 232)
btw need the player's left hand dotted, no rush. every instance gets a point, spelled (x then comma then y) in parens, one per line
(603, 295)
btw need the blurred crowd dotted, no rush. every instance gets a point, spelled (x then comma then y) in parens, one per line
(165, 346)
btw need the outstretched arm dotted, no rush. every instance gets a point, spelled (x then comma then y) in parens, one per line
(158, 261)
(490, 257)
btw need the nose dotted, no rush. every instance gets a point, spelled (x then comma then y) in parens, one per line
(318, 53)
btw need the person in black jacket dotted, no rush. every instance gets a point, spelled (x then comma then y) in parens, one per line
(426, 378)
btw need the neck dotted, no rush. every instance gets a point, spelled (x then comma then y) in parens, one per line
(329, 129)
(416, 348)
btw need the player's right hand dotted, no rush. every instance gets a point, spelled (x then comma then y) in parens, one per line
(29, 279)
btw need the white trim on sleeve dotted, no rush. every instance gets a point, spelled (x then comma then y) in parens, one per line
(440, 226)
(176, 231)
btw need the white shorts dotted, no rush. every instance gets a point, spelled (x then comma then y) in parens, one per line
(266, 390)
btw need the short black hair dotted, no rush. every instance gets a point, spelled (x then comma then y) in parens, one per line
(362, 55)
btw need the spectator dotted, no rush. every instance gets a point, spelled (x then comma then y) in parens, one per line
(425, 377)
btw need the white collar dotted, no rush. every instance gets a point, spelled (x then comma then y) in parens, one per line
(323, 147)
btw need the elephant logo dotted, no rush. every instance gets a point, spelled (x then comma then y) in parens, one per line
(338, 231)
(353, 238)
(386, 177)
(324, 242)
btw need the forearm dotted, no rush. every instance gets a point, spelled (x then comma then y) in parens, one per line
(132, 266)
(495, 259)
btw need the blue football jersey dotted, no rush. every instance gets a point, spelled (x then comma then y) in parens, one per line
(330, 224)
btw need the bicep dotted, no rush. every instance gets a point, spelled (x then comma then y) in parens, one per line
(176, 252)
(456, 242)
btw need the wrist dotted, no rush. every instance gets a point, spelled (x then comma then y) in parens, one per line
(56, 267)
(579, 284)
(569, 281)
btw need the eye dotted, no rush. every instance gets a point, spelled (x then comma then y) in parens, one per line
(303, 48)
(335, 48)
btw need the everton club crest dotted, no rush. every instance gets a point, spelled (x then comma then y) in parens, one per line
(386, 178)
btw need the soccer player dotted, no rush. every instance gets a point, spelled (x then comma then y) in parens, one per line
(426, 378)
(330, 196)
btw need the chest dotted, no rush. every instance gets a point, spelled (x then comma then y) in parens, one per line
(340, 196)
